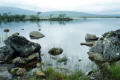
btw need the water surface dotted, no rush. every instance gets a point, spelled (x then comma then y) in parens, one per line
(67, 35)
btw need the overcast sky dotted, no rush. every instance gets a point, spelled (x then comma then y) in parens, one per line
(92, 6)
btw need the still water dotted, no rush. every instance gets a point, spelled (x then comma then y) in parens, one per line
(66, 35)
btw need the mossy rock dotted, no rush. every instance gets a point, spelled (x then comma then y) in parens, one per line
(55, 51)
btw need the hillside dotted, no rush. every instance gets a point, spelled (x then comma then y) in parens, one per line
(13, 11)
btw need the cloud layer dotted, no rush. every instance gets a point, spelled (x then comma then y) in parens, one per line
(92, 6)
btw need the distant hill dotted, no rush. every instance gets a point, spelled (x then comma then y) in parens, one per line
(13, 11)
(68, 14)
(72, 14)
(75, 14)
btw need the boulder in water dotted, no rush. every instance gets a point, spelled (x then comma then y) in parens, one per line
(91, 37)
(22, 46)
(36, 35)
(55, 51)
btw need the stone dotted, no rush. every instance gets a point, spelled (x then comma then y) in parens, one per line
(15, 34)
(36, 35)
(6, 30)
(97, 57)
(18, 60)
(79, 60)
(90, 37)
(22, 46)
(39, 73)
(39, 65)
(33, 56)
(88, 44)
(55, 51)
(18, 71)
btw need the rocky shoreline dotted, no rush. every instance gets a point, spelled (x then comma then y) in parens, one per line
(105, 53)
(20, 57)
(23, 54)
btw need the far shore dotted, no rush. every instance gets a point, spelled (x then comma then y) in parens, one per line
(37, 18)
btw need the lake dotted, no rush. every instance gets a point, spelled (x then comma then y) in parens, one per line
(66, 35)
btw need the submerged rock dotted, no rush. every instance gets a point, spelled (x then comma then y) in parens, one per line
(22, 46)
(36, 35)
(55, 51)
(64, 59)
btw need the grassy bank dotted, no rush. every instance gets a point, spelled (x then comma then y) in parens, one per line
(51, 74)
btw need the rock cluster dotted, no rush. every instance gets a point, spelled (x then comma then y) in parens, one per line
(20, 52)
(108, 46)
(90, 40)
(106, 51)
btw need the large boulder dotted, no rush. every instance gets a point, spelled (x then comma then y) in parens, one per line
(6, 53)
(106, 53)
(108, 46)
(36, 35)
(22, 46)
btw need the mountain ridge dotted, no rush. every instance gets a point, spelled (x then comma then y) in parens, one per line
(19, 11)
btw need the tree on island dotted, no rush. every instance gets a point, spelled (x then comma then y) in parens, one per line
(62, 16)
